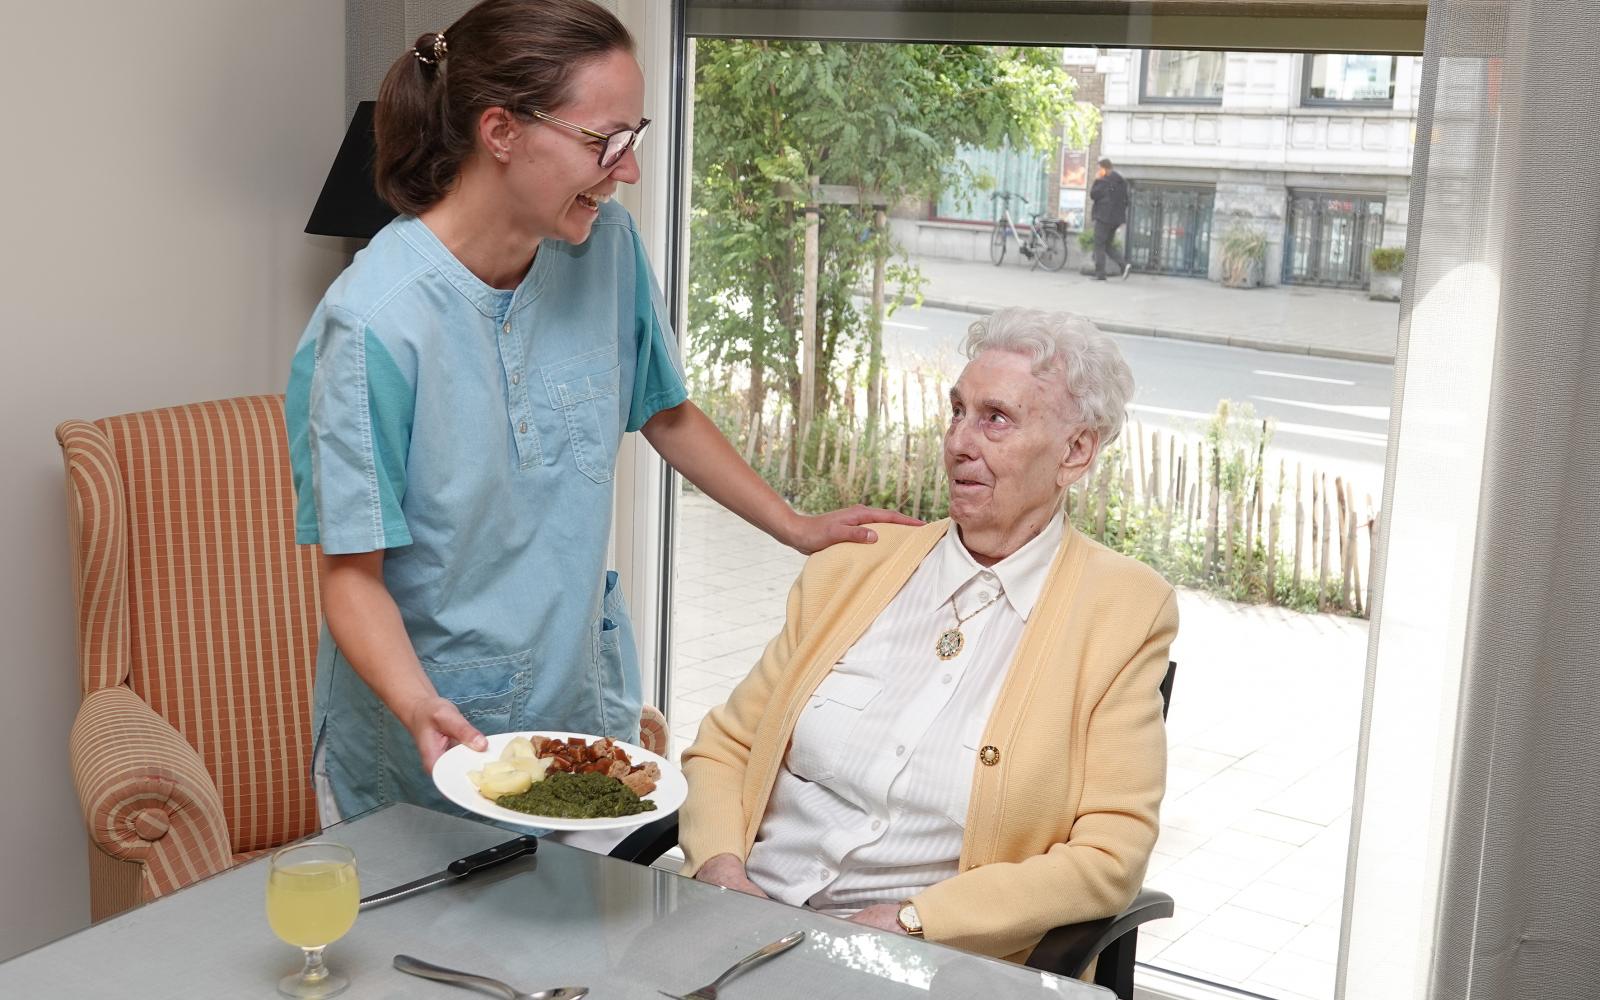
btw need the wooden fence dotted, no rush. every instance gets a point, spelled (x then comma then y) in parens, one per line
(1212, 510)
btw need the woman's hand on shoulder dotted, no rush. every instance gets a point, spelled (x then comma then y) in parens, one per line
(436, 725)
(729, 872)
(810, 533)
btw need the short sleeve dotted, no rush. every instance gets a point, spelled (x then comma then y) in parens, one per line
(349, 412)
(658, 374)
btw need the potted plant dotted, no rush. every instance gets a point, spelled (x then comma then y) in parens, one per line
(1387, 265)
(1086, 246)
(1244, 256)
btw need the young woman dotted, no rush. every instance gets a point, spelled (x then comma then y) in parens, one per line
(456, 403)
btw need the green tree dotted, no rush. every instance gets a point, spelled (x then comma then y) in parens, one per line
(769, 117)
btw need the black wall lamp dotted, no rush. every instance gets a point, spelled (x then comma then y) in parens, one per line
(348, 206)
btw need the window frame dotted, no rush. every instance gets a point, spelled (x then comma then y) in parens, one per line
(1307, 64)
(1145, 97)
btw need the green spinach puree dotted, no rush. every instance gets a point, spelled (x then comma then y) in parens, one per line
(577, 796)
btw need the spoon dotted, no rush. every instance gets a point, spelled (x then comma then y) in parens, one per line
(427, 970)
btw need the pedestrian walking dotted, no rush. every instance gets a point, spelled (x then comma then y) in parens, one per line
(1109, 192)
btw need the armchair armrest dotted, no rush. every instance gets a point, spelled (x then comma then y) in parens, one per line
(647, 843)
(1068, 950)
(145, 794)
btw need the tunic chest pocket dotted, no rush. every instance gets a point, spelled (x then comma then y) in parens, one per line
(824, 733)
(584, 390)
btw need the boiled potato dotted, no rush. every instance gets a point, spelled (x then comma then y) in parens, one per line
(520, 748)
(533, 767)
(514, 782)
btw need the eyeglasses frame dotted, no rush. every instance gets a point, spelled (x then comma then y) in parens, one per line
(637, 130)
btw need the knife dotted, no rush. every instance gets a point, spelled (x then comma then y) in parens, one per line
(459, 869)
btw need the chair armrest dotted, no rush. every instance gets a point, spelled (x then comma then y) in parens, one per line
(145, 794)
(1068, 950)
(644, 845)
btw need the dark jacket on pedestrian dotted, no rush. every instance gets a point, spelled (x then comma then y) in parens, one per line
(1110, 196)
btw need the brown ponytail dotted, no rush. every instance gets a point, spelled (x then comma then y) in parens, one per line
(514, 54)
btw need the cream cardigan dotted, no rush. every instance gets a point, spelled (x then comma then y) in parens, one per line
(1061, 826)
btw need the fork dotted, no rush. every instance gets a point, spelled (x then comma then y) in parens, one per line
(709, 991)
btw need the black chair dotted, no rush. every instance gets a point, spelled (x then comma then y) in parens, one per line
(1065, 951)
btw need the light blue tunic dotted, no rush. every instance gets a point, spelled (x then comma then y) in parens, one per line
(471, 433)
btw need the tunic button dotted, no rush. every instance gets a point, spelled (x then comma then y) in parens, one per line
(506, 328)
(516, 379)
(522, 428)
(877, 823)
(983, 595)
(900, 751)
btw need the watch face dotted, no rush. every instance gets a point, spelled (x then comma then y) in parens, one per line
(908, 919)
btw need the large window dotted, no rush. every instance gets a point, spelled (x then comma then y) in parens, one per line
(1250, 478)
(1363, 81)
(1182, 77)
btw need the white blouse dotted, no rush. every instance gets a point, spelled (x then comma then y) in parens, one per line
(871, 801)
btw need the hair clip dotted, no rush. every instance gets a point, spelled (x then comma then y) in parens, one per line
(440, 50)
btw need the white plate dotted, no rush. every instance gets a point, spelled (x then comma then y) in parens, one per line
(450, 777)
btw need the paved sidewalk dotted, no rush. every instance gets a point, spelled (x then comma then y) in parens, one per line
(1327, 322)
(1261, 767)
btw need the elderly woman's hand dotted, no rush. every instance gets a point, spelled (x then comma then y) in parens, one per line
(728, 871)
(810, 533)
(882, 916)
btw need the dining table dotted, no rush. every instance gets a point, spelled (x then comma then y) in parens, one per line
(561, 916)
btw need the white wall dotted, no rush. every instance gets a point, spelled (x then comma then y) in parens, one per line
(160, 160)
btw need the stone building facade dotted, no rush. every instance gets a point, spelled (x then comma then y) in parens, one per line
(1313, 153)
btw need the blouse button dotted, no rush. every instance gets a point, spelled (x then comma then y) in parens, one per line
(522, 428)
(877, 823)
(506, 328)
(945, 679)
(900, 751)
(516, 379)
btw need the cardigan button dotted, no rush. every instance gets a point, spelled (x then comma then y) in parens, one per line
(990, 756)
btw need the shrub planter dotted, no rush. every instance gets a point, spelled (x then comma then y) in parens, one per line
(1388, 265)
(1244, 257)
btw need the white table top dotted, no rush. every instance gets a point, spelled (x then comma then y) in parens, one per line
(561, 918)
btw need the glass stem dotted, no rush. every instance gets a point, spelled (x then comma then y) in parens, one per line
(315, 971)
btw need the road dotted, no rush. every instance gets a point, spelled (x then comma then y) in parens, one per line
(1332, 415)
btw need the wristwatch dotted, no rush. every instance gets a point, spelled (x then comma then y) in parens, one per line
(908, 920)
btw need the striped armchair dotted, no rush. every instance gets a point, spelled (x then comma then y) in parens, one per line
(197, 636)
(197, 643)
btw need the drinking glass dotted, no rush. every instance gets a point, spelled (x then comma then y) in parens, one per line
(312, 898)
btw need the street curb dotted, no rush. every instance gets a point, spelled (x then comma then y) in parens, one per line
(1197, 336)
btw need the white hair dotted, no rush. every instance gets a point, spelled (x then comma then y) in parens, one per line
(1098, 380)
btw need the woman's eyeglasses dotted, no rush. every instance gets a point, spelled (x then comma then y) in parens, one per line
(615, 143)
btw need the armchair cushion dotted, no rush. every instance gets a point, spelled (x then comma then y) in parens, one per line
(145, 794)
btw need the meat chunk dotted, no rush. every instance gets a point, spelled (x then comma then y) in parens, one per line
(640, 782)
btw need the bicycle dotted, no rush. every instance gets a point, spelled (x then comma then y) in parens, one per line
(1047, 237)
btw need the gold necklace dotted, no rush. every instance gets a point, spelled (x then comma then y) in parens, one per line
(951, 641)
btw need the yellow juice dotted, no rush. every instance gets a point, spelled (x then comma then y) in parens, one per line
(312, 903)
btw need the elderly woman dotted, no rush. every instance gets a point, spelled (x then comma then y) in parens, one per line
(958, 733)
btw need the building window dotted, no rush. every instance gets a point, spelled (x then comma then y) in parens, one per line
(1169, 228)
(1330, 235)
(1362, 81)
(1180, 77)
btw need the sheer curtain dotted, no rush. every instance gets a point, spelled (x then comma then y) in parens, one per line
(1475, 865)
